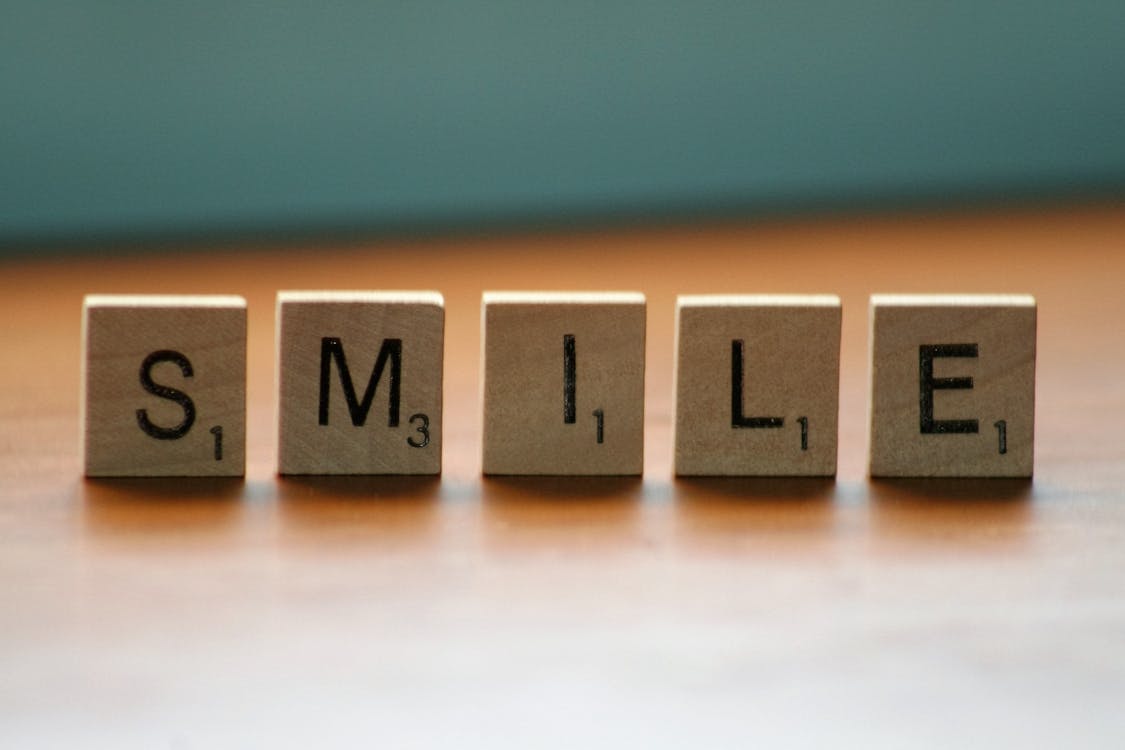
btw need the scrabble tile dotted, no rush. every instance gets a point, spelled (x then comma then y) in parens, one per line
(757, 385)
(164, 385)
(359, 382)
(563, 383)
(952, 385)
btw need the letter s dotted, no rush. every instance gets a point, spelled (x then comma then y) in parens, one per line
(163, 391)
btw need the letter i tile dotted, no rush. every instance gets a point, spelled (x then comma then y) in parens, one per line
(563, 382)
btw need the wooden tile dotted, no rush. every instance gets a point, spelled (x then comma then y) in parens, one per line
(563, 383)
(164, 385)
(359, 382)
(757, 385)
(952, 385)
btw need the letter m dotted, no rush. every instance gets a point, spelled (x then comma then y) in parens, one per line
(332, 349)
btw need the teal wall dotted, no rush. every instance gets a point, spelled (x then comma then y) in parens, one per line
(137, 119)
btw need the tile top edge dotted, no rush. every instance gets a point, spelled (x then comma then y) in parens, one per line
(163, 300)
(553, 298)
(394, 296)
(952, 300)
(761, 300)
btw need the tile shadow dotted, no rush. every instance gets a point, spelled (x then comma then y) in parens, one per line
(500, 489)
(755, 489)
(715, 511)
(952, 490)
(546, 514)
(357, 507)
(292, 488)
(160, 504)
(983, 512)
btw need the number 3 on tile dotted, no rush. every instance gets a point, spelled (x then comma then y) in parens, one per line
(423, 429)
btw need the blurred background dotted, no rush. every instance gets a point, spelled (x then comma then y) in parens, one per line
(141, 121)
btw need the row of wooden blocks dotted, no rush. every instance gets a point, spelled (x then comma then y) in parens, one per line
(359, 378)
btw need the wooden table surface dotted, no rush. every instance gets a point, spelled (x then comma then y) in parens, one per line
(573, 612)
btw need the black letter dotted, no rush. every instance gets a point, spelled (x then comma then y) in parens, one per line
(928, 384)
(163, 391)
(736, 418)
(570, 380)
(332, 348)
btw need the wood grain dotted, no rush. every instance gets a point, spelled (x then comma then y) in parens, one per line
(952, 385)
(781, 355)
(326, 424)
(581, 611)
(534, 343)
(164, 385)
